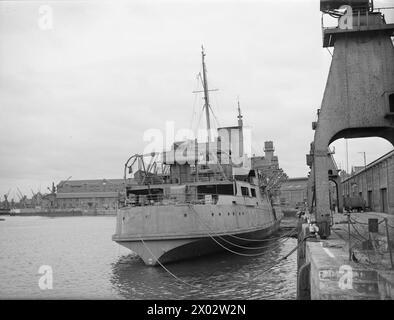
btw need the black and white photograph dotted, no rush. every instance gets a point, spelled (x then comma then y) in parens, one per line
(213, 152)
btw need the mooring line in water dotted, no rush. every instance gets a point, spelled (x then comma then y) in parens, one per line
(287, 255)
(273, 245)
(193, 286)
(255, 240)
(239, 253)
(288, 234)
(168, 271)
(267, 239)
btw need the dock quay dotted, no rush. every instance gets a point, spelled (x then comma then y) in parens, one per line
(62, 212)
(354, 264)
(348, 255)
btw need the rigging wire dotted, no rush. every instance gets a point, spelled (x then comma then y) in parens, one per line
(194, 104)
(198, 123)
(214, 116)
(218, 108)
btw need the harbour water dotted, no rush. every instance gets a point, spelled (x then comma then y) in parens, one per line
(87, 264)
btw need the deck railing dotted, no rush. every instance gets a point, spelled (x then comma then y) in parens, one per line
(202, 177)
(174, 199)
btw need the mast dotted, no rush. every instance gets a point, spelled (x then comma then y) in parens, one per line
(241, 133)
(240, 121)
(206, 94)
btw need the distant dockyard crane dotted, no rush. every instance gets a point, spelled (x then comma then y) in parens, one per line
(22, 198)
(5, 203)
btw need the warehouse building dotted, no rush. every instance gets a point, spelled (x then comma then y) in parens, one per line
(102, 194)
(374, 183)
(293, 192)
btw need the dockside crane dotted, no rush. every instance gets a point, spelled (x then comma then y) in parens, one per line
(6, 204)
(22, 198)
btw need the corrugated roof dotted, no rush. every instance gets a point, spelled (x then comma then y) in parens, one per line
(94, 182)
(370, 165)
(71, 195)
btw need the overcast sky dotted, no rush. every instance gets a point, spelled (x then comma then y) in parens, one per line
(76, 98)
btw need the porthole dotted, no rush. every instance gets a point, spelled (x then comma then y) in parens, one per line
(185, 214)
(220, 214)
(212, 214)
(233, 213)
(228, 213)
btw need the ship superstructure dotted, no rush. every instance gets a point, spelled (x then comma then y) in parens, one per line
(189, 200)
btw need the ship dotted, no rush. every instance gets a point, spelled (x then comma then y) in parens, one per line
(185, 205)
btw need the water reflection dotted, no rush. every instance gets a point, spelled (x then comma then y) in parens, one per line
(218, 276)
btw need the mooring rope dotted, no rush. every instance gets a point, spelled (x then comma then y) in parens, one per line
(236, 245)
(168, 271)
(369, 261)
(287, 255)
(234, 252)
(239, 253)
(267, 239)
(355, 229)
(199, 287)
(359, 222)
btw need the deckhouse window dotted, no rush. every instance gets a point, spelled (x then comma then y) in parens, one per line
(253, 191)
(223, 189)
(245, 191)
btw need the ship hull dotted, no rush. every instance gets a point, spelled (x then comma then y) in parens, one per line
(155, 252)
(220, 232)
